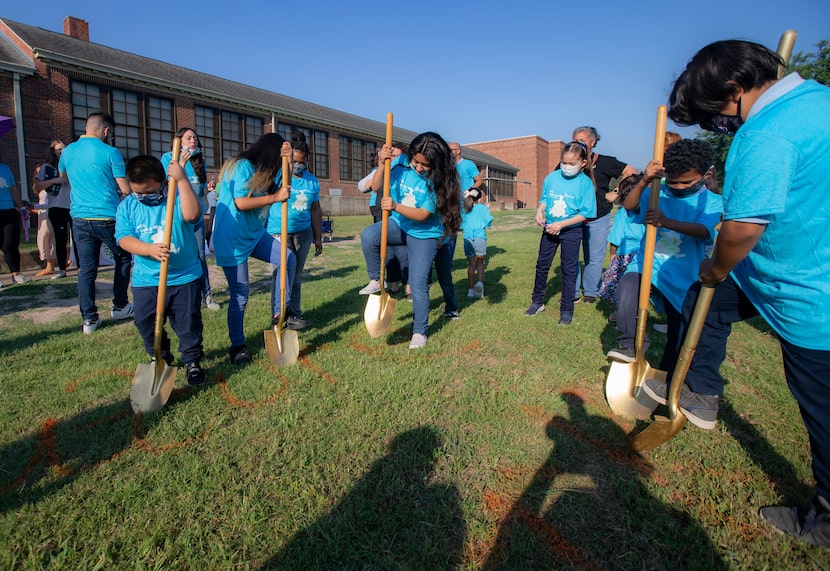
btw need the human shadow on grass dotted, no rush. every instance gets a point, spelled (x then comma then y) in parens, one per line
(60, 450)
(395, 517)
(778, 469)
(602, 516)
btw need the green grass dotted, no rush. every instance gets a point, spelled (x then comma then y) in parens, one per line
(492, 448)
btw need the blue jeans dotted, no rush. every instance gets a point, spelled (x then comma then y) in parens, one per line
(443, 268)
(89, 235)
(807, 370)
(199, 230)
(300, 244)
(594, 243)
(266, 250)
(569, 238)
(421, 253)
(395, 249)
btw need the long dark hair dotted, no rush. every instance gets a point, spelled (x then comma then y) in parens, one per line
(53, 158)
(198, 161)
(443, 175)
(265, 157)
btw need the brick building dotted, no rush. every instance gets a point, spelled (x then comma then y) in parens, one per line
(50, 83)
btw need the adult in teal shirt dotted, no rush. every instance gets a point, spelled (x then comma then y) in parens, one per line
(305, 223)
(95, 170)
(10, 205)
(772, 256)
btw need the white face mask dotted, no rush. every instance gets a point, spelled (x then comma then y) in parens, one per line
(570, 170)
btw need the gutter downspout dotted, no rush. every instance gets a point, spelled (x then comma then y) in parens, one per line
(21, 149)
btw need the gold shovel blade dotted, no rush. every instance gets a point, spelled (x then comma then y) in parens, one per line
(151, 386)
(283, 346)
(623, 393)
(380, 309)
(658, 432)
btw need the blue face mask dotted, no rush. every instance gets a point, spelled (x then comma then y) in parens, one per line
(688, 191)
(153, 198)
(298, 170)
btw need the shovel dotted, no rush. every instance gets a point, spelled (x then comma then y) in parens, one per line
(381, 308)
(282, 344)
(153, 382)
(624, 379)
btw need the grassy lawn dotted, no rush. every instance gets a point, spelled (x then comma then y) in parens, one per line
(492, 448)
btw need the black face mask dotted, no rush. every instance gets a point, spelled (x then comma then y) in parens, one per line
(688, 191)
(724, 124)
(153, 198)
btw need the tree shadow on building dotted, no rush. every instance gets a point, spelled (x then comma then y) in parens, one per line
(586, 508)
(393, 518)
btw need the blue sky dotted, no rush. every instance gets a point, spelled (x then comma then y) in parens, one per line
(471, 70)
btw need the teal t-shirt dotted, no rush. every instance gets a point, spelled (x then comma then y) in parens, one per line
(236, 232)
(567, 197)
(6, 184)
(92, 167)
(474, 223)
(467, 173)
(409, 188)
(625, 234)
(677, 256)
(147, 224)
(778, 170)
(305, 191)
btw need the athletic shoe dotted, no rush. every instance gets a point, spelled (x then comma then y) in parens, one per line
(168, 358)
(577, 300)
(239, 355)
(125, 312)
(479, 290)
(566, 319)
(19, 279)
(471, 293)
(810, 525)
(195, 374)
(454, 315)
(622, 354)
(700, 410)
(372, 287)
(209, 302)
(535, 309)
(394, 287)
(58, 275)
(418, 341)
(660, 327)
(589, 299)
(613, 317)
(296, 321)
(90, 325)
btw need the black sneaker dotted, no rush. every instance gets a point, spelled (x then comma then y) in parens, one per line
(239, 355)
(700, 410)
(452, 315)
(811, 525)
(168, 358)
(296, 321)
(622, 354)
(566, 319)
(195, 374)
(589, 299)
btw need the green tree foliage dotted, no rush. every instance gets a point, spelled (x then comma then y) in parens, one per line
(809, 65)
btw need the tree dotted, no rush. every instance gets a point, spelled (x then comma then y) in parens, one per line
(809, 65)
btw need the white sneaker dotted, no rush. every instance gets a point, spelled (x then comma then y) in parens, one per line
(471, 293)
(372, 287)
(19, 279)
(125, 312)
(210, 303)
(90, 326)
(58, 275)
(418, 341)
(479, 290)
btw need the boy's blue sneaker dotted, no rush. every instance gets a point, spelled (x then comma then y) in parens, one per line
(535, 309)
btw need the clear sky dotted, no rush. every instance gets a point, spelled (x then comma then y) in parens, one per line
(471, 70)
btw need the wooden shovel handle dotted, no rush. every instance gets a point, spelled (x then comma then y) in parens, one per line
(653, 202)
(284, 239)
(387, 173)
(785, 49)
(166, 238)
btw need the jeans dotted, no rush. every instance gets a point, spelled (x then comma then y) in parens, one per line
(396, 249)
(421, 253)
(807, 370)
(569, 238)
(266, 250)
(89, 235)
(199, 230)
(300, 244)
(183, 305)
(443, 268)
(594, 243)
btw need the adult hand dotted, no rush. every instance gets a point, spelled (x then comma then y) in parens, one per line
(708, 275)
(654, 170)
(318, 248)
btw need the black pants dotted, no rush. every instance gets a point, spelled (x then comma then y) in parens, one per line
(183, 305)
(10, 237)
(61, 223)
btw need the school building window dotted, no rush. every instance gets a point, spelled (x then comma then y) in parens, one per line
(501, 183)
(318, 147)
(354, 157)
(224, 134)
(143, 123)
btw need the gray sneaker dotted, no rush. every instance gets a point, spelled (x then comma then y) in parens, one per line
(125, 312)
(622, 354)
(700, 410)
(535, 309)
(811, 525)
